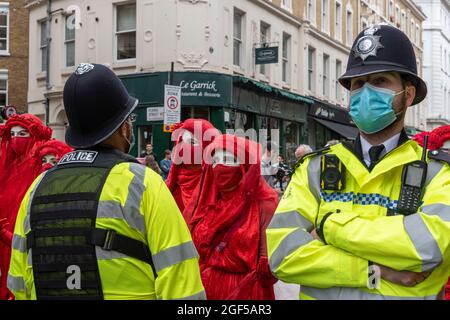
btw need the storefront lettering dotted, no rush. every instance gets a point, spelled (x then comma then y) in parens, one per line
(195, 85)
(322, 112)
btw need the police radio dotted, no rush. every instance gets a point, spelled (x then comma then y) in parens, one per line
(332, 175)
(413, 183)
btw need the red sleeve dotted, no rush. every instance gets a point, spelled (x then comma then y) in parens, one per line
(267, 211)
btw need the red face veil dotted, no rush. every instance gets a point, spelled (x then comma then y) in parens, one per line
(185, 174)
(226, 224)
(18, 169)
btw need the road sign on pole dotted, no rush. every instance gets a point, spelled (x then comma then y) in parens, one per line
(172, 107)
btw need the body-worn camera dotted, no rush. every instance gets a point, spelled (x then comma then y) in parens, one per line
(332, 175)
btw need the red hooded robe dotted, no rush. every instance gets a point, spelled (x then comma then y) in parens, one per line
(436, 140)
(184, 182)
(229, 229)
(18, 170)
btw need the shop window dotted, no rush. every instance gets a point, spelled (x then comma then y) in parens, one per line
(145, 136)
(237, 120)
(272, 125)
(291, 135)
(194, 113)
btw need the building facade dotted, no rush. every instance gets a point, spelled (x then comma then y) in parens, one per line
(13, 55)
(213, 45)
(436, 66)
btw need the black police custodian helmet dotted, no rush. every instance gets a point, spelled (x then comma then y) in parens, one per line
(383, 48)
(96, 104)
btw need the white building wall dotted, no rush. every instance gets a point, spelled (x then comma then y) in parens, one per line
(196, 35)
(436, 67)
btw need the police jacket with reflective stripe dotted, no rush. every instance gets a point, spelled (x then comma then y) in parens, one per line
(135, 203)
(367, 228)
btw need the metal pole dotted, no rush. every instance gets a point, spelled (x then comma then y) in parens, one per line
(47, 58)
(172, 67)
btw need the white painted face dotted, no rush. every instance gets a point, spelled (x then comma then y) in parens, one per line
(49, 158)
(189, 138)
(18, 131)
(226, 158)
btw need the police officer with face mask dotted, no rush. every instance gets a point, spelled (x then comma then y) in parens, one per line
(99, 225)
(369, 220)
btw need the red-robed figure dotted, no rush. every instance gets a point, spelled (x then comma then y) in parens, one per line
(439, 138)
(20, 135)
(229, 222)
(192, 137)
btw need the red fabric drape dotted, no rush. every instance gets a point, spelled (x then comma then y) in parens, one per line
(184, 180)
(17, 172)
(228, 229)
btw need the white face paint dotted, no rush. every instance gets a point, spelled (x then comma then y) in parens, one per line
(18, 131)
(226, 158)
(189, 138)
(49, 158)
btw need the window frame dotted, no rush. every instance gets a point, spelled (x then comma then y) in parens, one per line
(240, 14)
(326, 75)
(311, 14)
(312, 53)
(66, 42)
(337, 18)
(349, 27)
(338, 89)
(287, 6)
(5, 6)
(117, 33)
(325, 16)
(43, 47)
(264, 69)
(286, 60)
(4, 77)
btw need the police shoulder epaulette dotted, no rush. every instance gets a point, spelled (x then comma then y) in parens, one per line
(309, 155)
(439, 155)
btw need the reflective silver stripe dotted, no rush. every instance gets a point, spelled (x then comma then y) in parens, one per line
(130, 212)
(423, 241)
(314, 177)
(433, 169)
(438, 209)
(19, 243)
(291, 219)
(26, 222)
(30, 257)
(15, 283)
(199, 296)
(108, 255)
(288, 245)
(343, 293)
(114, 210)
(174, 255)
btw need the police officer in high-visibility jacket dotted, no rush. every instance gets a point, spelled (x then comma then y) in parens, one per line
(368, 220)
(99, 225)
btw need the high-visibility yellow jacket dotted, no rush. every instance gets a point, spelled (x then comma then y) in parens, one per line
(362, 231)
(159, 224)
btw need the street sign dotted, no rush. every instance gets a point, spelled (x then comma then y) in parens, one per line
(172, 107)
(266, 55)
(9, 111)
(155, 113)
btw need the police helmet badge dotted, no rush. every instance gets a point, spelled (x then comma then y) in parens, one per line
(369, 44)
(84, 68)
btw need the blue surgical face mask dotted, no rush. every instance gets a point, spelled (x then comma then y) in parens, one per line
(371, 108)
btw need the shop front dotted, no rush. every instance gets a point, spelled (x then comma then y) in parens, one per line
(232, 104)
(327, 122)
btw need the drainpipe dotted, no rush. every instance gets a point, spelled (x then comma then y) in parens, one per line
(47, 58)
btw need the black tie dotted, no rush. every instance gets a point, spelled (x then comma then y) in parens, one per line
(374, 154)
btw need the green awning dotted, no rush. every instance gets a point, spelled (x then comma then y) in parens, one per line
(269, 89)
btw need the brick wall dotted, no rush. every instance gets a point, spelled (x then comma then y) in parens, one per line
(17, 62)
